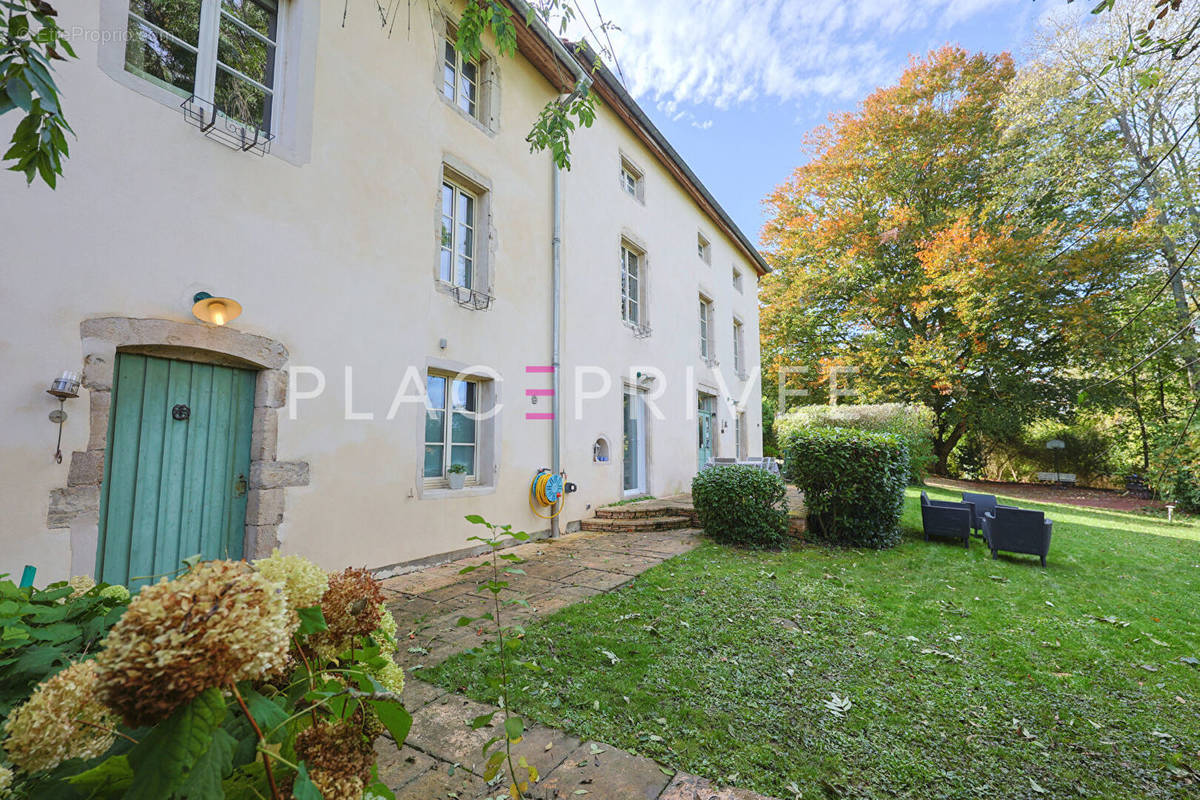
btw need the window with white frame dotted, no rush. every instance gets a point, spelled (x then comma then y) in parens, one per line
(451, 425)
(739, 346)
(461, 79)
(632, 285)
(703, 248)
(706, 328)
(458, 233)
(631, 180)
(739, 435)
(737, 279)
(223, 52)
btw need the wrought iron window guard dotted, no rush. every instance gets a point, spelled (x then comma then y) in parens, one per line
(216, 124)
(472, 298)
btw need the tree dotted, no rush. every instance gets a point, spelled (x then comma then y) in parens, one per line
(895, 254)
(1131, 128)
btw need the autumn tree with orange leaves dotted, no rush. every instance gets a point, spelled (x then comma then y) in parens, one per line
(895, 254)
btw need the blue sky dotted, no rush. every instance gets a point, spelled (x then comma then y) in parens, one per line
(736, 84)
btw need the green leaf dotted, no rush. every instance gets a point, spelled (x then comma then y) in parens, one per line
(266, 713)
(394, 718)
(163, 758)
(475, 519)
(204, 779)
(514, 727)
(304, 788)
(312, 620)
(19, 92)
(111, 775)
(482, 721)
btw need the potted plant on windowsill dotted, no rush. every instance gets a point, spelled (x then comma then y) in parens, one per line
(456, 476)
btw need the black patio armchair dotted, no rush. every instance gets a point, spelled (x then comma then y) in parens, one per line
(1018, 530)
(982, 504)
(946, 520)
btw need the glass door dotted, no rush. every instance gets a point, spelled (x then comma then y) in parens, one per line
(635, 444)
(707, 415)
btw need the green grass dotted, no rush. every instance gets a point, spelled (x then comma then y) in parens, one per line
(1066, 680)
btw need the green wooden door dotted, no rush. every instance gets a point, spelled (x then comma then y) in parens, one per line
(706, 410)
(176, 469)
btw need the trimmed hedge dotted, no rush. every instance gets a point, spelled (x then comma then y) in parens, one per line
(853, 483)
(912, 423)
(741, 505)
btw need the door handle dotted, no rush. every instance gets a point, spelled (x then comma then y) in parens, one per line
(239, 486)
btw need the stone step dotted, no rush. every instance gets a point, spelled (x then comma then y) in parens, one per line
(633, 525)
(647, 510)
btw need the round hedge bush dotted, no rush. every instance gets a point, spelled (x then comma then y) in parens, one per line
(853, 483)
(741, 505)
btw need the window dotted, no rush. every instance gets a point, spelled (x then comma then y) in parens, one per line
(219, 51)
(739, 357)
(739, 436)
(631, 286)
(460, 79)
(459, 214)
(706, 331)
(703, 248)
(631, 180)
(737, 279)
(451, 428)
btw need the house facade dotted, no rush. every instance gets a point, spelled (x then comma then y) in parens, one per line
(378, 242)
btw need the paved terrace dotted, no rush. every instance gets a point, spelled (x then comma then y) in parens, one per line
(443, 756)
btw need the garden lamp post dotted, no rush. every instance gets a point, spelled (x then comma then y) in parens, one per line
(1054, 445)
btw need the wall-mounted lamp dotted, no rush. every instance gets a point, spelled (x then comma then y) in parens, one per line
(64, 387)
(215, 310)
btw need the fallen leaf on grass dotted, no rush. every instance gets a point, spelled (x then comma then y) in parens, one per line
(838, 706)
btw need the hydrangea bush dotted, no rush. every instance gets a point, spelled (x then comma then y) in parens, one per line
(270, 680)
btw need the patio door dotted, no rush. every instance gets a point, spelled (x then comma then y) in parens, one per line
(635, 443)
(176, 468)
(706, 414)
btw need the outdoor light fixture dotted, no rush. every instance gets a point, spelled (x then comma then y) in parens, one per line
(215, 310)
(64, 387)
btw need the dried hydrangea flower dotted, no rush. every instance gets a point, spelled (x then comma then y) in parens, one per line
(6, 778)
(303, 582)
(62, 719)
(82, 584)
(116, 593)
(219, 623)
(391, 677)
(339, 757)
(351, 608)
(388, 626)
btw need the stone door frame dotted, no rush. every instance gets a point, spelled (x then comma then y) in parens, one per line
(77, 506)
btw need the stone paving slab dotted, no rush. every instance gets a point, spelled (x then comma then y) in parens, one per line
(443, 757)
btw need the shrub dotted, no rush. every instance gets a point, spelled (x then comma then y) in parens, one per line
(44, 630)
(273, 680)
(741, 505)
(912, 423)
(853, 483)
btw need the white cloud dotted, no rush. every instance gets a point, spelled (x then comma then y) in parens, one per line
(726, 53)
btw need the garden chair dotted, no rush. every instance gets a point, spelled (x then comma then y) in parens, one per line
(981, 504)
(946, 520)
(1017, 530)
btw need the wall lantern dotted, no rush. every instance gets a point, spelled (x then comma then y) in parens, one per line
(215, 310)
(64, 387)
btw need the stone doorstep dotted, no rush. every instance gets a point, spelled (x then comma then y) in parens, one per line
(636, 525)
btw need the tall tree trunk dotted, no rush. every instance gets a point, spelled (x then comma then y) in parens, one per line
(1141, 420)
(943, 445)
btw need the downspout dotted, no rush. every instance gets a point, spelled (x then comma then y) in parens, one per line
(583, 82)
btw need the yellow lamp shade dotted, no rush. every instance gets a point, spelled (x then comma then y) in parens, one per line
(215, 310)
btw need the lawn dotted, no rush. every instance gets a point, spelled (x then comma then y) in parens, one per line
(967, 677)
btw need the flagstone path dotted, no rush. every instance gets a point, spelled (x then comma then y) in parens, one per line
(443, 757)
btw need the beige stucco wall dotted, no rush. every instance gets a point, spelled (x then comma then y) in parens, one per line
(334, 259)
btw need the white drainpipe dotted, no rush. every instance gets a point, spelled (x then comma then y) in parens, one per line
(583, 82)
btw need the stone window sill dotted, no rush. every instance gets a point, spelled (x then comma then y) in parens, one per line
(446, 493)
